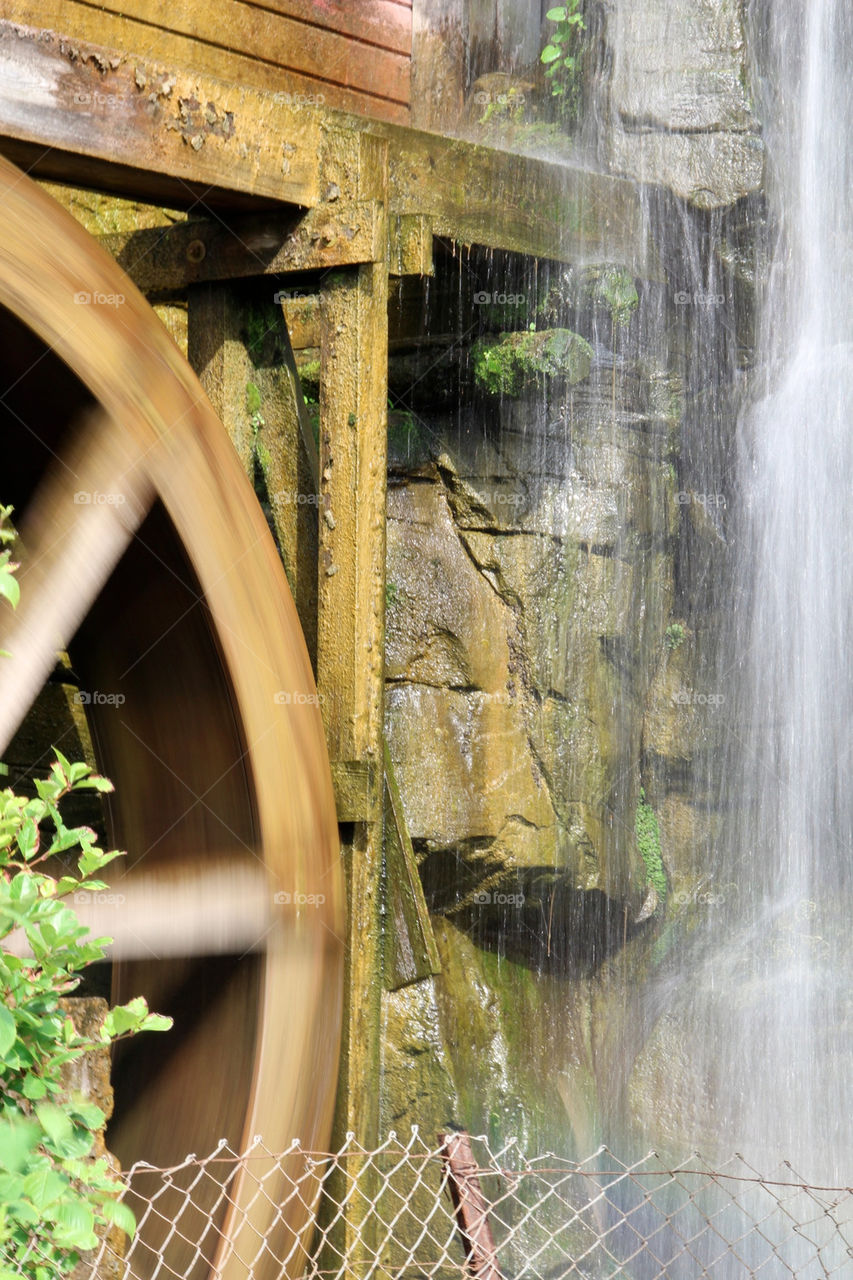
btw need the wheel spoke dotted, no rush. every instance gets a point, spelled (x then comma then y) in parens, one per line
(75, 530)
(210, 907)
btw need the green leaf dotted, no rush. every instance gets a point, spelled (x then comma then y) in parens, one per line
(119, 1213)
(44, 1185)
(550, 53)
(88, 1113)
(34, 1088)
(28, 839)
(9, 587)
(55, 1122)
(8, 1031)
(121, 1020)
(75, 1225)
(18, 1137)
(157, 1022)
(557, 15)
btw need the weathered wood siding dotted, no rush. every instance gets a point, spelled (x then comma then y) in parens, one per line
(354, 55)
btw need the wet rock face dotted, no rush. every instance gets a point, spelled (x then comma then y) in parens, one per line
(530, 579)
(680, 111)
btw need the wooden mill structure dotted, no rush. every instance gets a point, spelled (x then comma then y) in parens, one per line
(306, 150)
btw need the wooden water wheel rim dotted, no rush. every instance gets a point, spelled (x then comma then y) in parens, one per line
(153, 437)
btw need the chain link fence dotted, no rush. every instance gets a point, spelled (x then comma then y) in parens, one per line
(411, 1210)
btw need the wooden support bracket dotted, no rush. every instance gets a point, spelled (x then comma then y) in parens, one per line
(356, 790)
(161, 259)
(411, 953)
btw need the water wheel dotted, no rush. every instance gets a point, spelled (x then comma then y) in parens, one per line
(146, 556)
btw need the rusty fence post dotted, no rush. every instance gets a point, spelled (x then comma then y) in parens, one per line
(472, 1210)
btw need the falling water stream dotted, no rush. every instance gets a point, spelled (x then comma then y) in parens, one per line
(777, 1043)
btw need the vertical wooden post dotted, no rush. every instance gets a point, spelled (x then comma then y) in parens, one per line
(350, 654)
(238, 344)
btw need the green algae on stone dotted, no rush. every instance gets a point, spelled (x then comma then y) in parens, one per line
(511, 362)
(648, 842)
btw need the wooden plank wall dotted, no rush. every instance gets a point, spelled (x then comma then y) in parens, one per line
(352, 55)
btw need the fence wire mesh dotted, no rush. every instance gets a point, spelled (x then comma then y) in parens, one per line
(411, 1209)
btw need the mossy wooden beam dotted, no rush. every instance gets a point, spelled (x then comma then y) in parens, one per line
(351, 602)
(169, 258)
(351, 638)
(237, 342)
(72, 110)
(411, 953)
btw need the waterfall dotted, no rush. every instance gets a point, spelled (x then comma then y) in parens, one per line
(771, 1006)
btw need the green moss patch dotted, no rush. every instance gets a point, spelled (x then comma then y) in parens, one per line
(511, 362)
(648, 843)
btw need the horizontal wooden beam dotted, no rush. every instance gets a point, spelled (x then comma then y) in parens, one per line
(172, 134)
(165, 258)
(98, 117)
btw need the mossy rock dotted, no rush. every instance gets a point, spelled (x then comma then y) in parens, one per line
(511, 362)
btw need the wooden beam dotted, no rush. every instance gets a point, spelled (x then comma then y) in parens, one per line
(176, 133)
(411, 952)
(162, 259)
(237, 342)
(93, 115)
(350, 646)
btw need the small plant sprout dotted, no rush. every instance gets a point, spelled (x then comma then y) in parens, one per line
(559, 56)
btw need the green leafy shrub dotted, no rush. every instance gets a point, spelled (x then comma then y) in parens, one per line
(53, 1193)
(648, 843)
